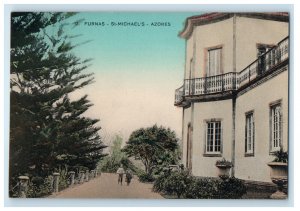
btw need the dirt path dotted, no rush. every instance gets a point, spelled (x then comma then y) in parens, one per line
(106, 186)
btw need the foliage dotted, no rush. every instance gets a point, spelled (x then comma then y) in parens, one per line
(204, 188)
(116, 157)
(173, 183)
(153, 146)
(40, 187)
(281, 156)
(159, 184)
(63, 180)
(231, 188)
(48, 129)
(145, 177)
(224, 162)
(184, 185)
(165, 160)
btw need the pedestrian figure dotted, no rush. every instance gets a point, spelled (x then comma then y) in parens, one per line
(128, 176)
(120, 172)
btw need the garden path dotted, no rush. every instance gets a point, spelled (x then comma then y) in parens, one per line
(106, 186)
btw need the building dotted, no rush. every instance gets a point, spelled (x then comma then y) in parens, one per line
(234, 96)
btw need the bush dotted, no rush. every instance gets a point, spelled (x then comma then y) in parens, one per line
(159, 184)
(202, 189)
(231, 188)
(144, 177)
(176, 183)
(182, 184)
(40, 187)
(63, 181)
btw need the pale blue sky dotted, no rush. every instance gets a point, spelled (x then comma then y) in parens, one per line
(137, 69)
(114, 47)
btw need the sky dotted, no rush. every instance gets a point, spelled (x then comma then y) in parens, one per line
(138, 64)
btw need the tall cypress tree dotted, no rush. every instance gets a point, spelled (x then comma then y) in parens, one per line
(47, 127)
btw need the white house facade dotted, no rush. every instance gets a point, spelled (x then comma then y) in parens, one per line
(234, 95)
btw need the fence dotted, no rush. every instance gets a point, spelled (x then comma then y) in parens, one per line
(20, 190)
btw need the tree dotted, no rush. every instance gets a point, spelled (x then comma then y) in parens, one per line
(48, 128)
(113, 161)
(117, 157)
(151, 145)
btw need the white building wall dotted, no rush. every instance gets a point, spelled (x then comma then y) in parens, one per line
(210, 35)
(189, 55)
(202, 165)
(186, 120)
(259, 99)
(251, 31)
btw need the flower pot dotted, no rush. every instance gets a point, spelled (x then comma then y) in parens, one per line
(278, 169)
(223, 170)
(279, 176)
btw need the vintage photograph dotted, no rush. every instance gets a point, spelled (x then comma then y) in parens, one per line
(149, 105)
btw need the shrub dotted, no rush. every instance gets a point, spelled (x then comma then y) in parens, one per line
(281, 156)
(159, 184)
(40, 187)
(63, 181)
(224, 162)
(145, 177)
(175, 183)
(202, 189)
(182, 184)
(231, 188)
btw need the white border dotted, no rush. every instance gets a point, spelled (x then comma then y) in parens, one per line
(162, 7)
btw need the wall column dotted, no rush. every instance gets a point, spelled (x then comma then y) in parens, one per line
(233, 136)
(56, 181)
(23, 186)
(72, 176)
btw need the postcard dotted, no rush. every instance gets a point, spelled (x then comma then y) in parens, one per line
(149, 105)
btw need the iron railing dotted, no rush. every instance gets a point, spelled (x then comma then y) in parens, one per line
(234, 80)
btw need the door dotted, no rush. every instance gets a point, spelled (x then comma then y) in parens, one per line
(261, 65)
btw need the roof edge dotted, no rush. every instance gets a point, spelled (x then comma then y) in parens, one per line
(214, 17)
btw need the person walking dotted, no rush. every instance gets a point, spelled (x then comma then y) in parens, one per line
(120, 172)
(128, 176)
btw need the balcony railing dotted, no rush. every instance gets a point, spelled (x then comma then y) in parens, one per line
(179, 94)
(234, 80)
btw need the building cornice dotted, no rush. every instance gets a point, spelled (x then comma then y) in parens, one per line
(209, 18)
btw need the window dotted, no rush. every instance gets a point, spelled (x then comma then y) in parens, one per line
(213, 137)
(249, 134)
(275, 127)
(214, 62)
(262, 60)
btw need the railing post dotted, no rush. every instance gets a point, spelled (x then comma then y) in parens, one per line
(183, 88)
(72, 177)
(92, 174)
(87, 175)
(222, 79)
(23, 186)
(56, 181)
(81, 177)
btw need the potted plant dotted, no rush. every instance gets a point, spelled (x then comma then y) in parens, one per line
(279, 173)
(223, 167)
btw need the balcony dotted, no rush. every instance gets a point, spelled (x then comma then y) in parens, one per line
(233, 81)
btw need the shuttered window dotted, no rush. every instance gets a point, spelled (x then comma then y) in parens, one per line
(214, 62)
(276, 127)
(249, 134)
